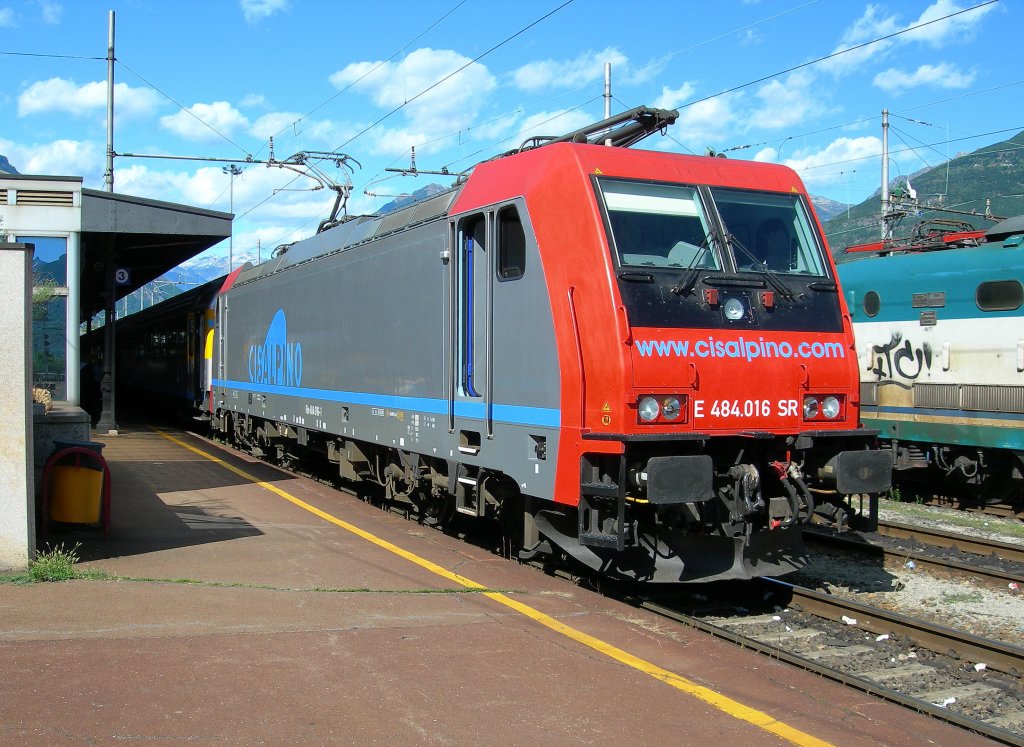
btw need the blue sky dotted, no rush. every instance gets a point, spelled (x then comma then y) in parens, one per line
(371, 80)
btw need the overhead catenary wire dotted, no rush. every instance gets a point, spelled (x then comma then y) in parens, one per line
(372, 70)
(780, 73)
(434, 85)
(186, 110)
(649, 65)
(867, 157)
(53, 56)
(452, 74)
(519, 111)
(837, 53)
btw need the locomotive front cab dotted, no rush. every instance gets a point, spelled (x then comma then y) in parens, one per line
(740, 420)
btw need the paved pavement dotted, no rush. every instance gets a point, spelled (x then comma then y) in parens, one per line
(254, 614)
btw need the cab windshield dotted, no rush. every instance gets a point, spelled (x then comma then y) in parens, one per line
(681, 250)
(658, 225)
(769, 232)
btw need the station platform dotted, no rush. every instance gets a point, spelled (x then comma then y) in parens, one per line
(246, 605)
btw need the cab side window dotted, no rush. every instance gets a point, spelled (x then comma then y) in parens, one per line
(511, 244)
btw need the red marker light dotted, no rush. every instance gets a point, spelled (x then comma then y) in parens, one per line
(711, 296)
(768, 299)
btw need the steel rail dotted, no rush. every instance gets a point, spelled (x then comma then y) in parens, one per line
(1003, 511)
(995, 654)
(997, 734)
(941, 538)
(991, 576)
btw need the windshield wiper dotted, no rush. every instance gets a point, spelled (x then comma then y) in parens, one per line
(635, 277)
(689, 278)
(823, 285)
(758, 266)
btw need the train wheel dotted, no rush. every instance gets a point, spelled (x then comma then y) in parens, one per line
(436, 509)
(510, 518)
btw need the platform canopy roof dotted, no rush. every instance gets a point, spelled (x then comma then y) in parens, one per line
(145, 237)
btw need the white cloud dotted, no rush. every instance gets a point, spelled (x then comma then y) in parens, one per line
(943, 75)
(52, 12)
(7, 18)
(788, 102)
(584, 69)
(750, 38)
(257, 100)
(273, 123)
(288, 127)
(139, 179)
(444, 109)
(206, 122)
(670, 98)
(873, 24)
(294, 198)
(256, 10)
(706, 123)
(61, 95)
(952, 30)
(59, 157)
(826, 165)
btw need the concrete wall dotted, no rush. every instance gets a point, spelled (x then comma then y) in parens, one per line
(17, 493)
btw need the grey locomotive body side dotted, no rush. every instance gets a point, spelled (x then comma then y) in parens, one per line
(360, 346)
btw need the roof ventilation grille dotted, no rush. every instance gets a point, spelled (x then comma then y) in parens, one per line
(45, 198)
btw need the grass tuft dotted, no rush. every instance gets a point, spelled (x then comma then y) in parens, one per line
(56, 564)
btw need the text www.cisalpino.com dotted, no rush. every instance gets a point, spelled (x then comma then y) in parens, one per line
(742, 348)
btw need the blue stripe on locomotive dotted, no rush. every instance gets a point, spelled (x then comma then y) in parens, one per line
(514, 414)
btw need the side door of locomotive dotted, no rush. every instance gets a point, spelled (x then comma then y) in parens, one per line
(470, 406)
(487, 248)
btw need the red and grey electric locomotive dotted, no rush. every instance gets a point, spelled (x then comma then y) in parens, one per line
(639, 360)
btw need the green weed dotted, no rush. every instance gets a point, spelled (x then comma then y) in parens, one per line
(56, 564)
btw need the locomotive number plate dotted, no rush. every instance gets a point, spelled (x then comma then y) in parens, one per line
(744, 408)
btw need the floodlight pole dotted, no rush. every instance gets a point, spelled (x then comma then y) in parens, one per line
(108, 176)
(232, 171)
(886, 227)
(607, 94)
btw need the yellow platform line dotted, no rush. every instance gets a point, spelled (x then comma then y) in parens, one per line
(721, 702)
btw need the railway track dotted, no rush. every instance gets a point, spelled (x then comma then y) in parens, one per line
(965, 680)
(1000, 510)
(952, 540)
(988, 561)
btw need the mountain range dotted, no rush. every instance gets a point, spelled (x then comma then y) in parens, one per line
(992, 176)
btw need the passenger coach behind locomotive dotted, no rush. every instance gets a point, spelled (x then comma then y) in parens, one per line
(163, 353)
(637, 359)
(938, 324)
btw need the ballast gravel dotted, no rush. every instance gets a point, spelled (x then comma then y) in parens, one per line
(957, 603)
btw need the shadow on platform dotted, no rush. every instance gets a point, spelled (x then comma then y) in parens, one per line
(165, 496)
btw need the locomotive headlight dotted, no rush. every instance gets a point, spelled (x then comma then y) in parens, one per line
(648, 409)
(670, 408)
(811, 408)
(830, 407)
(733, 309)
(661, 408)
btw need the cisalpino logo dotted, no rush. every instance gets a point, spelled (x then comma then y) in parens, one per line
(278, 361)
(746, 349)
